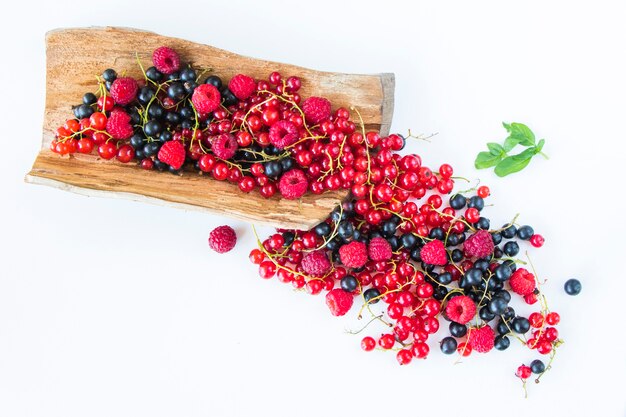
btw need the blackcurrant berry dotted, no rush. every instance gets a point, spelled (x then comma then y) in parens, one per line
(349, 283)
(573, 286)
(502, 342)
(371, 295)
(520, 325)
(525, 232)
(89, 98)
(511, 248)
(537, 366)
(448, 345)
(457, 329)
(109, 75)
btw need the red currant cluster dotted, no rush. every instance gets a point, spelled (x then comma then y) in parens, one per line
(428, 254)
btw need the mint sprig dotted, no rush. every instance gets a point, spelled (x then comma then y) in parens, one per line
(498, 155)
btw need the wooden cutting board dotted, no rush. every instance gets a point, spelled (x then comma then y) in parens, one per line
(76, 56)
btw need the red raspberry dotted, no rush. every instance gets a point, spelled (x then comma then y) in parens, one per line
(522, 282)
(339, 301)
(283, 134)
(222, 238)
(225, 146)
(206, 98)
(124, 90)
(316, 264)
(480, 244)
(118, 125)
(481, 339)
(242, 86)
(434, 253)
(523, 372)
(379, 249)
(293, 184)
(354, 254)
(172, 153)
(316, 109)
(166, 60)
(461, 309)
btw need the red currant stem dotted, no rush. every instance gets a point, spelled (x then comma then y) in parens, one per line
(506, 226)
(292, 103)
(365, 326)
(544, 155)
(421, 136)
(201, 74)
(369, 161)
(485, 291)
(469, 189)
(456, 177)
(506, 323)
(525, 390)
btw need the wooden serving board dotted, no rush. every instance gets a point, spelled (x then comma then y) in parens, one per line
(76, 56)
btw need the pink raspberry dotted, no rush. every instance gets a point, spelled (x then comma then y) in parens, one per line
(315, 264)
(242, 86)
(434, 253)
(339, 301)
(481, 339)
(222, 239)
(283, 134)
(124, 90)
(354, 254)
(461, 309)
(173, 153)
(480, 244)
(206, 98)
(379, 249)
(522, 282)
(118, 125)
(225, 146)
(166, 60)
(293, 184)
(316, 109)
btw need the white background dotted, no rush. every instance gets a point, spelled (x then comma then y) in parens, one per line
(114, 308)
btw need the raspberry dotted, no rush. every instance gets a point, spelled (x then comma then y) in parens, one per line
(222, 238)
(461, 309)
(166, 60)
(481, 339)
(480, 244)
(293, 184)
(522, 282)
(353, 255)
(206, 98)
(172, 153)
(242, 86)
(283, 134)
(225, 146)
(434, 253)
(339, 301)
(118, 125)
(315, 264)
(124, 90)
(379, 249)
(316, 109)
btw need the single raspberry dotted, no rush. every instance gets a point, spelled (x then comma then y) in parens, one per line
(480, 244)
(172, 153)
(434, 253)
(293, 184)
(316, 264)
(481, 339)
(379, 249)
(522, 282)
(283, 134)
(339, 301)
(242, 86)
(225, 146)
(206, 98)
(461, 309)
(316, 109)
(222, 238)
(166, 60)
(354, 254)
(124, 90)
(118, 125)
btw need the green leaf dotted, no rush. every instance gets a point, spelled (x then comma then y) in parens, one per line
(506, 126)
(495, 149)
(486, 160)
(514, 163)
(509, 143)
(522, 134)
(539, 146)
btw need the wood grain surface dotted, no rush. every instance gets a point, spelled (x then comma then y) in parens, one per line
(76, 56)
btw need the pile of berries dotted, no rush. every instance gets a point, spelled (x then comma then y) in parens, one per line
(259, 134)
(403, 237)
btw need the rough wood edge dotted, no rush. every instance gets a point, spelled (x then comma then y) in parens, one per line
(388, 81)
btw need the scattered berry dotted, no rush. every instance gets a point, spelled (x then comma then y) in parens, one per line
(222, 239)
(339, 302)
(316, 109)
(293, 184)
(206, 98)
(353, 254)
(482, 339)
(434, 253)
(242, 86)
(316, 264)
(166, 60)
(173, 154)
(573, 286)
(124, 90)
(118, 125)
(461, 309)
(379, 249)
(225, 146)
(283, 134)
(479, 245)
(522, 282)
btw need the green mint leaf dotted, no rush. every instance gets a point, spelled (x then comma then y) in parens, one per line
(522, 134)
(510, 143)
(486, 160)
(539, 146)
(495, 149)
(515, 163)
(506, 126)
